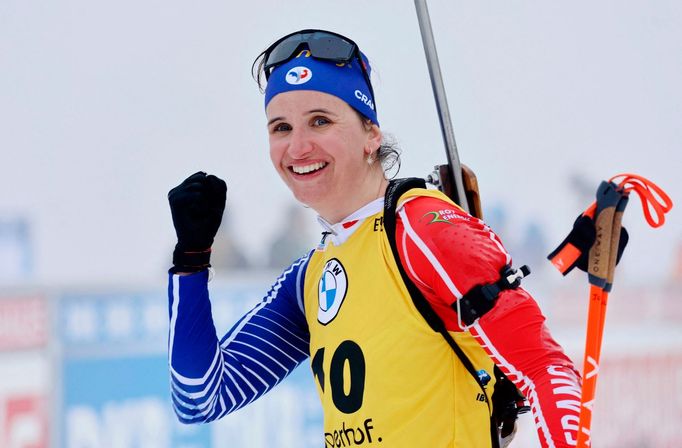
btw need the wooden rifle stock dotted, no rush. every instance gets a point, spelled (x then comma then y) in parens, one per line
(473, 196)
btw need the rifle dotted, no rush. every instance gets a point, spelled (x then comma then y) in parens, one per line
(459, 183)
(456, 180)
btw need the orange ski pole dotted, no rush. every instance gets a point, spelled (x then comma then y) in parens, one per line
(602, 254)
(608, 198)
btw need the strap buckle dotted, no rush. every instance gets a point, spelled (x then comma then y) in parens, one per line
(481, 298)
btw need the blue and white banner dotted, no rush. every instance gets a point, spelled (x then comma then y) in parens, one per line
(115, 382)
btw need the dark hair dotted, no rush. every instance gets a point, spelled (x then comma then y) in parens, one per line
(258, 70)
(388, 153)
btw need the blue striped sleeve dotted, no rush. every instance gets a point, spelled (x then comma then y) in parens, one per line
(211, 378)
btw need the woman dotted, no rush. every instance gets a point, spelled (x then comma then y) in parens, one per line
(382, 373)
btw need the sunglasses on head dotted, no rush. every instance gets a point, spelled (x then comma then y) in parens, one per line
(323, 45)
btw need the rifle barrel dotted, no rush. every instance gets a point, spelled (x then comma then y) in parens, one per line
(441, 102)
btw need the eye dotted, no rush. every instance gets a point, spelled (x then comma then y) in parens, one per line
(281, 127)
(321, 121)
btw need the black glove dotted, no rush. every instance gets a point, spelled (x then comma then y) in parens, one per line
(197, 206)
(582, 237)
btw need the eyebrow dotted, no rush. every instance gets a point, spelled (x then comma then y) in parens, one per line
(274, 119)
(312, 111)
(324, 111)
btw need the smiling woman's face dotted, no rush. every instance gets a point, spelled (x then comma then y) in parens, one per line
(319, 146)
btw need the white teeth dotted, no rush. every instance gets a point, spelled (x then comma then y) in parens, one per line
(308, 168)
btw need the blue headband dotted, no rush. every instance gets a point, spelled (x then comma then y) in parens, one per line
(344, 81)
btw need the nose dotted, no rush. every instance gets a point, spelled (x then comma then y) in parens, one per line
(300, 143)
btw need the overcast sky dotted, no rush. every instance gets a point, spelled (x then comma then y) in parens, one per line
(104, 106)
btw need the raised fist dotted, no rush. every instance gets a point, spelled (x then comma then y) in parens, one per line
(197, 206)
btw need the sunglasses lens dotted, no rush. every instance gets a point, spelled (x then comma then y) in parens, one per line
(330, 47)
(322, 46)
(284, 50)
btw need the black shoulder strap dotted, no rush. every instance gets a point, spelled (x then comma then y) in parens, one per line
(397, 188)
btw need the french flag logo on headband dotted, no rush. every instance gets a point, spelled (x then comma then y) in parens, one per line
(299, 75)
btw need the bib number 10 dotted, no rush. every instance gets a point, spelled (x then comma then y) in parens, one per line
(350, 353)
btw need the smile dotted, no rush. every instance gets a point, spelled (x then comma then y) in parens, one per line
(305, 169)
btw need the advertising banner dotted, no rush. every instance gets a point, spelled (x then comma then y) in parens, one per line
(24, 369)
(23, 322)
(115, 390)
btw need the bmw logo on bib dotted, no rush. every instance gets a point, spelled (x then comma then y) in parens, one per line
(331, 290)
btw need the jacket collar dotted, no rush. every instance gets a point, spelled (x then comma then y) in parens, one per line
(338, 233)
